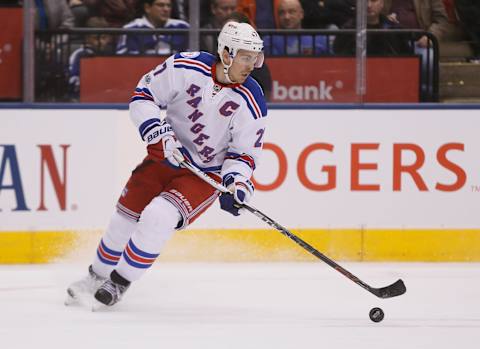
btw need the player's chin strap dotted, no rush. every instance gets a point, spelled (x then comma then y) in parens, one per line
(226, 68)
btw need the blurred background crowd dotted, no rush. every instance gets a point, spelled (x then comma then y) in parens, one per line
(290, 28)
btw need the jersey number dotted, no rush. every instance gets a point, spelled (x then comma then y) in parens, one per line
(258, 143)
(162, 68)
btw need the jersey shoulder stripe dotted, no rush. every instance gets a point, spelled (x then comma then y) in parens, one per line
(252, 93)
(193, 64)
(200, 56)
(142, 94)
(257, 94)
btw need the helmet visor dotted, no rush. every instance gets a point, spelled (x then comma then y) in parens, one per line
(259, 61)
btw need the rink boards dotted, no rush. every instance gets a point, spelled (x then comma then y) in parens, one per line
(400, 185)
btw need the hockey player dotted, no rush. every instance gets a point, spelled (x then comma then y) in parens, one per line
(215, 119)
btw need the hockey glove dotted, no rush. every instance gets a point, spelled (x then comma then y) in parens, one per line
(241, 189)
(162, 144)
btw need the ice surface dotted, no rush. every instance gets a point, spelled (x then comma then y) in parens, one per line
(241, 305)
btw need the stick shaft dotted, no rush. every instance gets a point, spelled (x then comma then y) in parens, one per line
(305, 245)
(393, 290)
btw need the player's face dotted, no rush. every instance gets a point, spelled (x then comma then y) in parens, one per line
(242, 66)
(158, 12)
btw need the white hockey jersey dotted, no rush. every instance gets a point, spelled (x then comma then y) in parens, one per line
(220, 127)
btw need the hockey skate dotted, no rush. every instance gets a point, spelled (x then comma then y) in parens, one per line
(112, 290)
(81, 291)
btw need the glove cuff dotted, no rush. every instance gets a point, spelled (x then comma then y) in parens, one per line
(229, 178)
(238, 179)
(156, 133)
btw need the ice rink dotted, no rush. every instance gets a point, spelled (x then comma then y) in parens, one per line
(238, 305)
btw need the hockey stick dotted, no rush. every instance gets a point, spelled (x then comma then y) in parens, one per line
(396, 289)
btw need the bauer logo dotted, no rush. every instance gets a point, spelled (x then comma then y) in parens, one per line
(41, 170)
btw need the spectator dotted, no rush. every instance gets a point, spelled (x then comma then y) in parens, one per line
(377, 44)
(469, 15)
(427, 15)
(450, 9)
(95, 44)
(53, 14)
(261, 14)
(116, 12)
(220, 11)
(157, 15)
(328, 13)
(290, 16)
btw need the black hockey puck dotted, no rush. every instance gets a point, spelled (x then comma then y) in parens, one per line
(376, 314)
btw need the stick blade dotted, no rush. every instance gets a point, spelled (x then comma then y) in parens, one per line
(396, 289)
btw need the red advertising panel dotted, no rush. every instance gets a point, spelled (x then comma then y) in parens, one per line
(11, 24)
(332, 80)
(294, 80)
(113, 79)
